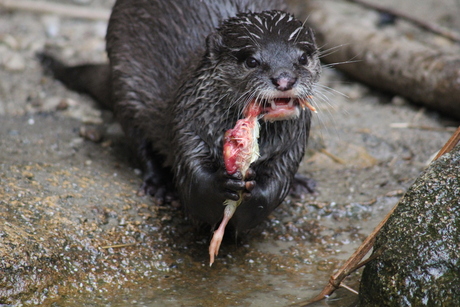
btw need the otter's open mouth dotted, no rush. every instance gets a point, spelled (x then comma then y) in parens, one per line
(284, 108)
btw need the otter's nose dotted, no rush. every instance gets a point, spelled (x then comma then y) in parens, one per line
(284, 80)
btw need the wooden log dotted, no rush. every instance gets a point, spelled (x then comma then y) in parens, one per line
(67, 10)
(397, 64)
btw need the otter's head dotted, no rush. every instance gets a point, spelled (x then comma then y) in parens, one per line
(269, 58)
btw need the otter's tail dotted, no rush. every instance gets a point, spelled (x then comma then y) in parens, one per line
(91, 79)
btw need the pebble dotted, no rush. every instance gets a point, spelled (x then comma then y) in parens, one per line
(52, 25)
(77, 142)
(85, 114)
(50, 104)
(92, 120)
(90, 134)
(399, 101)
(442, 42)
(28, 175)
(10, 41)
(62, 105)
(14, 62)
(107, 144)
(69, 102)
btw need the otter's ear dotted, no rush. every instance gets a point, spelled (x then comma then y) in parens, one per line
(214, 44)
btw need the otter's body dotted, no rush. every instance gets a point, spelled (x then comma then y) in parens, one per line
(182, 73)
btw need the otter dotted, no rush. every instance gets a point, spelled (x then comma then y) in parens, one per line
(180, 75)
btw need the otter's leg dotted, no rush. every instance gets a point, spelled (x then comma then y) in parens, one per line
(157, 179)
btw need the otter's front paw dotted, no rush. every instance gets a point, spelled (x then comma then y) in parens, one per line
(235, 185)
(158, 187)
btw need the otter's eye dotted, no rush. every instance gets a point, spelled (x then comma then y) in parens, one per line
(251, 62)
(303, 60)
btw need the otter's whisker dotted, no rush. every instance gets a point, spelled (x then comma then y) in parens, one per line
(341, 63)
(303, 26)
(331, 90)
(329, 51)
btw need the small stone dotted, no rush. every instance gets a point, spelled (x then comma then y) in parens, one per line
(75, 143)
(62, 105)
(398, 101)
(90, 134)
(92, 120)
(52, 25)
(107, 144)
(14, 62)
(442, 41)
(50, 104)
(28, 175)
(11, 42)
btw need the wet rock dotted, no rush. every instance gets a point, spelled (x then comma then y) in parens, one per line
(420, 262)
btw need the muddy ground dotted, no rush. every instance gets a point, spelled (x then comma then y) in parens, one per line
(73, 231)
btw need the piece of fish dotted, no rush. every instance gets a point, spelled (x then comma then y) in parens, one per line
(240, 150)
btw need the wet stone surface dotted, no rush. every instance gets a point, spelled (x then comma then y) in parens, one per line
(419, 265)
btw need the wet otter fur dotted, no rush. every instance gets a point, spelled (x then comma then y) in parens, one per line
(181, 74)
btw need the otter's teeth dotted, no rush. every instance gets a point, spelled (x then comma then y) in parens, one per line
(274, 106)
